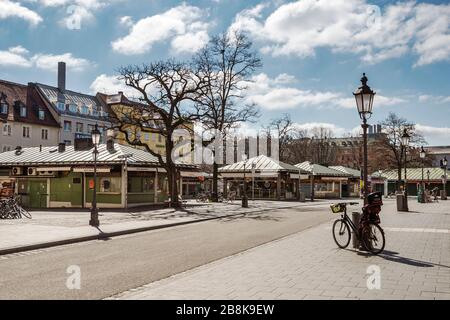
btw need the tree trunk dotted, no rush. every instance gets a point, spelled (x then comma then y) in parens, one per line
(172, 175)
(215, 191)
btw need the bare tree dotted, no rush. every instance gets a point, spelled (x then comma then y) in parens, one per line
(394, 127)
(167, 90)
(282, 128)
(227, 62)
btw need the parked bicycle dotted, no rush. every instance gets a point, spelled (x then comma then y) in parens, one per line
(369, 233)
(11, 209)
(203, 197)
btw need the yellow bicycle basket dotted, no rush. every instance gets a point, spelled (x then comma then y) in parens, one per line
(337, 208)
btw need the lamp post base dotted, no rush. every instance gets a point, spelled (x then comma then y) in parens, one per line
(244, 202)
(94, 222)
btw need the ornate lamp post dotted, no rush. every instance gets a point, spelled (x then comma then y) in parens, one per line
(94, 211)
(422, 154)
(444, 178)
(244, 196)
(364, 101)
(405, 143)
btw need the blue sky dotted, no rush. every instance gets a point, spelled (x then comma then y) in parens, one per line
(314, 52)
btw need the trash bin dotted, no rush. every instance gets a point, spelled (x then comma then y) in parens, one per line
(302, 197)
(401, 203)
(443, 195)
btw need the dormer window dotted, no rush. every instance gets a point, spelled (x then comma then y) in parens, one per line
(73, 108)
(61, 106)
(84, 109)
(41, 114)
(23, 111)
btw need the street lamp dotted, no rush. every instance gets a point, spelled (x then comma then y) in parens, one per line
(405, 143)
(95, 135)
(253, 180)
(428, 177)
(444, 178)
(423, 154)
(364, 102)
(244, 196)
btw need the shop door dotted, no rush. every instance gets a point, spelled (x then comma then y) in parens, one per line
(77, 190)
(38, 194)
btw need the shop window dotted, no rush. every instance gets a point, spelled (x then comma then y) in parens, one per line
(110, 184)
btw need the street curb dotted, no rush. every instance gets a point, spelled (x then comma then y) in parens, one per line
(106, 235)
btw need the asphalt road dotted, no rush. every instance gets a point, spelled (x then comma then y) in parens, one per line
(119, 264)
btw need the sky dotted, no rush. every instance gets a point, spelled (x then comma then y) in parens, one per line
(313, 52)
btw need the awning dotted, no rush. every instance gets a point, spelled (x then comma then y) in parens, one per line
(137, 169)
(192, 174)
(54, 169)
(91, 170)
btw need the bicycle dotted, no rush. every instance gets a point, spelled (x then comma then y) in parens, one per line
(11, 209)
(203, 197)
(369, 233)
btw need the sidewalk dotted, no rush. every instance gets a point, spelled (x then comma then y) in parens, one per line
(51, 228)
(308, 265)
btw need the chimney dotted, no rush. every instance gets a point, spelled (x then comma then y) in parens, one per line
(62, 76)
(61, 147)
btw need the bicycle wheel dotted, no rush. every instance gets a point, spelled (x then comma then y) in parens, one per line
(25, 213)
(341, 233)
(373, 238)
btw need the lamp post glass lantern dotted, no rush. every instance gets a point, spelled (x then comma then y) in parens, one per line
(95, 135)
(364, 102)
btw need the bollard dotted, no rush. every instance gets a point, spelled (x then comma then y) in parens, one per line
(355, 219)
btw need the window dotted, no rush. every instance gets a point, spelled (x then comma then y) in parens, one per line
(41, 114)
(23, 111)
(44, 134)
(110, 184)
(6, 148)
(73, 108)
(80, 127)
(67, 126)
(147, 137)
(61, 106)
(26, 132)
(3, 108)
(84, 109)
(90, 128)
(6, 129)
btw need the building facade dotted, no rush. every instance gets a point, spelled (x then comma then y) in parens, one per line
(76, 113)
(25, 119)
(63, 177)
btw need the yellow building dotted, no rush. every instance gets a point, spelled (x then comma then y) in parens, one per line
(123, 108)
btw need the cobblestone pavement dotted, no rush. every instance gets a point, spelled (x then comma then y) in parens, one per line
(308, 265)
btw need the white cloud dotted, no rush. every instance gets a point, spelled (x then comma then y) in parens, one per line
(111, 85)
(126, 21)
(20, 57)
(184, 25)
(434, 135)
(14, 57)
(50, 62)
(352, 26)
(10, 9)
(426, 98)
(280, 94)
(77, 11)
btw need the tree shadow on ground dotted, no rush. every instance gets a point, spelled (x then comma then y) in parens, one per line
(394, 257)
